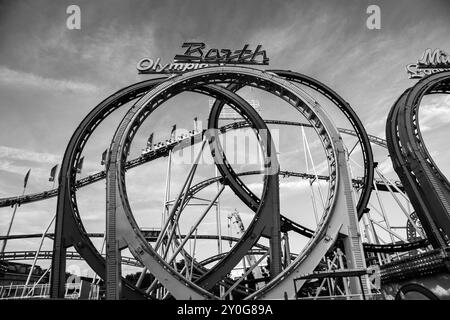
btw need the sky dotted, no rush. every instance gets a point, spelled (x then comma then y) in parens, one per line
(51, 77)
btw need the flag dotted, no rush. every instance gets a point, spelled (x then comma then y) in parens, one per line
(150, 141)
(80, 165)
(195, 123)
(53, 173)
(172, 133)
(25, 181)
(104, 157)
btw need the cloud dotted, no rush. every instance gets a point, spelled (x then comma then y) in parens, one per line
(434, 114)
(9, 166)
(18, 161)
(21, 154)
(24, 79)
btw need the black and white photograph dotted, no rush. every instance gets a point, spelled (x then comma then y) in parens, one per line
(224, 159)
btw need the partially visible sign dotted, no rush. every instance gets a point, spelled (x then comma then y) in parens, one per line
(196, 56)
(431, 62)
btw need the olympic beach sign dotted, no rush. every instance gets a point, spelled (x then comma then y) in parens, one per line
(197, 56)
(432, 61)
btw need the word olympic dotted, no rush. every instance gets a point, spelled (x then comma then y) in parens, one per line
(196, 57)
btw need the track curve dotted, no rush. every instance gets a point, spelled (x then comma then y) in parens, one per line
(404, 130)
(212, 75)
(426, 186)
(118, 206)
(69, 229)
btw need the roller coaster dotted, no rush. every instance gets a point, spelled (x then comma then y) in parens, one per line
(347, 254)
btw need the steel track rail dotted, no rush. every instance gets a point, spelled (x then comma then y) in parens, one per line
(78, 155)
(69, 229)
(131, 122)
(68, 212)
(425, 185)
(290, 225)
(48, 255)
(431, 179)
(164, 151)
(351, 116)
(368, 247)
(179, 287)
(73, 255)
(354, 120)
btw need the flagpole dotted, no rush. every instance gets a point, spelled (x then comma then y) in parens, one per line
(12, 220)
(37, 254)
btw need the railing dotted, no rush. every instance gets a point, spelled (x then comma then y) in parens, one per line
(42, 291)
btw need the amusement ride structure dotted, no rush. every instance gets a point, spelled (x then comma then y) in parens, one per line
(349, 254)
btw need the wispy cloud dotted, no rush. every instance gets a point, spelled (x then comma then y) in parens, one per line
(434, 114)
(18, 161)
(11, 167)
(22, 154)
(24, 79)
